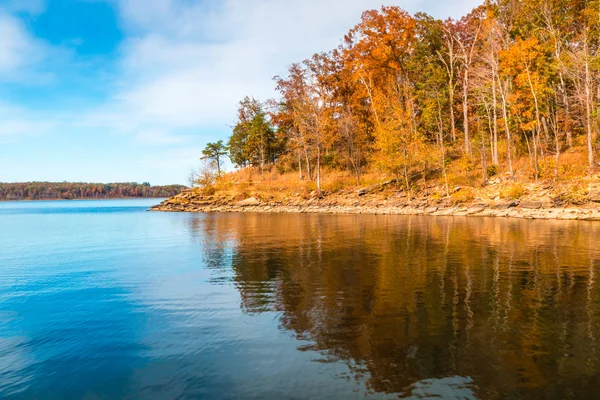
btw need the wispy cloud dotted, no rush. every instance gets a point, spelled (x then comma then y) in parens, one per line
(187, 64)
(159, 138)
(19, 122)
(18, 50)
(174, 81)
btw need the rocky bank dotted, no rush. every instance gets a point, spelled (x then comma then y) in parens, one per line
(370, 201)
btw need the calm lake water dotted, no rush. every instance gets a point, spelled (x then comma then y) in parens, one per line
(102, 300)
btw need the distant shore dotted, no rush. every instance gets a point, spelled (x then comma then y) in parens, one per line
(81, 199)
(53, 191)
(188, 201)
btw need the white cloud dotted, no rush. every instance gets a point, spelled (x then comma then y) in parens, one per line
(188, 63)
(184, 65)
(17, 122)
(17, 48)
(156, 137)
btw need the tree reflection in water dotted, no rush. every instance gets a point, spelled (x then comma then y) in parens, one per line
(487, 308)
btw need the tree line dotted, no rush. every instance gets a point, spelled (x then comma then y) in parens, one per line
(78, 190)
(408, 94)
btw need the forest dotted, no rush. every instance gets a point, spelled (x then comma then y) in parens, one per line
(71, 190)
(512, 89)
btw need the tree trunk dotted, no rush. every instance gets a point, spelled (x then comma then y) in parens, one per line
(319, 170)
(452, 117)
(483, 160)
(368, 87)
(466, 112)
(536, 131)
(406, 176)
(308, 170)
(494, 144)
(557, 146)
(567, 126)
(506, 128)
(262, 164)
(441, 143)
(588, 113)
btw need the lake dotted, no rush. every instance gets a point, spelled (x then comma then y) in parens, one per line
(103, 300)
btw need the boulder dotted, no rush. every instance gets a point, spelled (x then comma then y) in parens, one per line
(250, 201)
(534, 205)
(505, 205)
(476, 209)
(376, 187)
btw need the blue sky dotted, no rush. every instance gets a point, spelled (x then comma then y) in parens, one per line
(132, 90)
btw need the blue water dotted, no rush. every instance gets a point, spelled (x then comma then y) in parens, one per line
(104, 300)
(101, 299)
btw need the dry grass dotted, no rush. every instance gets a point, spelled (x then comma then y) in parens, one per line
(465, 195)
(569, 188)
(275, 186)
(575, 193)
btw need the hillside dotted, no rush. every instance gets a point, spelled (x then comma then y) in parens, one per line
(500, 105)
(502, 196)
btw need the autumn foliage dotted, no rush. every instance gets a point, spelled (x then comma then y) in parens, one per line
(510, 88)
(78, 190)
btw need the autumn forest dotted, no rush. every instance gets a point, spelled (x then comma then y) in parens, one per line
(511, 89)
(78, 190)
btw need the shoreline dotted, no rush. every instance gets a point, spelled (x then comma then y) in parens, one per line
(188, 202)
(82, 199)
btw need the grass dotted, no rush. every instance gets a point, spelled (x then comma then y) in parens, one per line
(465, 181)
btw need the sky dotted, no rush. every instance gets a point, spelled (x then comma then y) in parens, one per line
(132, 90)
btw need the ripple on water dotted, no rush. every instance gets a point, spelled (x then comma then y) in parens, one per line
(104, 300)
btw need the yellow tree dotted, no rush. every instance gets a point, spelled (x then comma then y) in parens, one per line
(527, 63)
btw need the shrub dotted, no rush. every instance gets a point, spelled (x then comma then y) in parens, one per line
(513, 192)
(492, 170)
(208, 190)
(575, 195)
(463, 196)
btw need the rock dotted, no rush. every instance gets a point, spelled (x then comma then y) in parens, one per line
(534, 205)
(547, 203)
(594, 216)
(513, 213)
(447, 211)
(251, 201)
(379, 186)
(430, 210)
(505, 205)
(201, 203)
(594, 197)
(568, 216)
(476, 209)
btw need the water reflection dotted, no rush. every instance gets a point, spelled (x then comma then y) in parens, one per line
(421, 307)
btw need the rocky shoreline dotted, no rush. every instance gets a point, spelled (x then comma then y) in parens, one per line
(188, 201)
